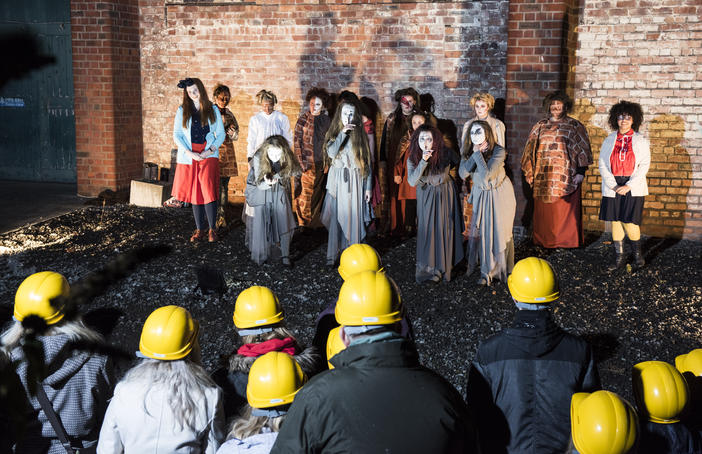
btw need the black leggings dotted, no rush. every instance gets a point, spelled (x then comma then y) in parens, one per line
(199, 212)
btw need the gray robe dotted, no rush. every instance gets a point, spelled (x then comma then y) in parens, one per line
(345, 212)
(494, 207)
(439, 221)
(267, 214)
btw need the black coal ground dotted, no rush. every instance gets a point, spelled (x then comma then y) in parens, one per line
(651, 314)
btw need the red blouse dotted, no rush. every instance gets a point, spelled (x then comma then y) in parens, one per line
(622, 160)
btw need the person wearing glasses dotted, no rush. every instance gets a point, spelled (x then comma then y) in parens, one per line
(624, 161)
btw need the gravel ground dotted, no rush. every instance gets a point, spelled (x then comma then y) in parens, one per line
(653, 313)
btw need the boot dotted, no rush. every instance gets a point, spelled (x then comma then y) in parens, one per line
(619, 258)
(638, 257)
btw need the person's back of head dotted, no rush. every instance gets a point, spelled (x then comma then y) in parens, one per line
(274, 380)
(356, 258)
(335, 344)
(169, 346)
(257, 311)
(660, 391)
(533, 284)
(368, 302)
(602, 423)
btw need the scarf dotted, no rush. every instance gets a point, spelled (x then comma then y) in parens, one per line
(287, 345)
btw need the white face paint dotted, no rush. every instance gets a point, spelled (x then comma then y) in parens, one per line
(426, 140)
(194, 95)
(274, 153)
(477, 134)
(347, 114)
(316, 106)
(481, 109)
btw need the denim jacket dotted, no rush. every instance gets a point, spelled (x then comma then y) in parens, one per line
(181, 136)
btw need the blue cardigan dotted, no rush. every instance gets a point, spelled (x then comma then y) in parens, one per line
(181, 136)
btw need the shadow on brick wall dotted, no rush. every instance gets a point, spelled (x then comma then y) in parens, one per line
(669, 178)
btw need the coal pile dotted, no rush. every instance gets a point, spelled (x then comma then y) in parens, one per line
(654, 313)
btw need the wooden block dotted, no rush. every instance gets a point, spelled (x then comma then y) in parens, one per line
(149, 193)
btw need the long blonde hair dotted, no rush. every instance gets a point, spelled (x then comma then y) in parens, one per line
(74, 329)
(358, 137)
(184, 381)
(247, 425)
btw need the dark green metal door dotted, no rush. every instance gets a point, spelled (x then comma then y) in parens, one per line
(37, 126)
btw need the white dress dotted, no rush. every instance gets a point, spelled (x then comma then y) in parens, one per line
(262, 126)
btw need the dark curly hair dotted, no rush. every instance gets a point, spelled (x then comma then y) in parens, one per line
(221, 88)
(626, 107)
(557, 96)
(317, 92)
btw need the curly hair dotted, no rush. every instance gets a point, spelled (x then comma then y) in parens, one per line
(626, 107)
(317, 92)
(557, 96)
(487, 98)
(219, 89)
(289, 165)
(439, 158)
(266, 96)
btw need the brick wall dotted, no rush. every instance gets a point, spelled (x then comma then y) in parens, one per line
(105, 42)
(651, 55)
(451, 49)
(540, 50)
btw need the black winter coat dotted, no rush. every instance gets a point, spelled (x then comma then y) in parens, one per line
(673, 438)
(521, 382)
(377, 399)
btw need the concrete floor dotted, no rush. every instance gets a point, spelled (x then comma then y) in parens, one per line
(27, 202)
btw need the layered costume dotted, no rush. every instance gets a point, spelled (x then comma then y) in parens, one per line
(227, 159)
(401, 212)
(494, 206)
(624, 160)
(439, 221)
(197, 182)
(556, 151)
(268, 216)
(345, 212)
(308, 146)
(405, 190)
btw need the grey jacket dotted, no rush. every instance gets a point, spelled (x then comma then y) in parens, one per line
(78, 384)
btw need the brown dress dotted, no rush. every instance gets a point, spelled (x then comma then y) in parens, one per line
(555, 151)
(227, 156)
(310, 187)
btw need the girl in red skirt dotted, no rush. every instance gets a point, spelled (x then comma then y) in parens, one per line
(198, 132)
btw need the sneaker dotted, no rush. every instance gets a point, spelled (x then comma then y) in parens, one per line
(198, 235)
(212, 236)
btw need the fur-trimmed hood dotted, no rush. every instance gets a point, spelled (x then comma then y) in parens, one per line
(309, 359)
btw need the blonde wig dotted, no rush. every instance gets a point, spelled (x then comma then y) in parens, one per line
(487, 98)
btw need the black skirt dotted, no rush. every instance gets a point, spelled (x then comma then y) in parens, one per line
(627, 208)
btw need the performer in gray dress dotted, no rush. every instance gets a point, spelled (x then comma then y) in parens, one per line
(494, 205)
(439, 220)
(267, 213)
(346, 210)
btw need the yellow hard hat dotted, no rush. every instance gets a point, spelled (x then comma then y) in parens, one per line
(169, 333)
(602, 423)
(368, 298)
(35, 293)
(274, 379)
(660, 390)
(256, 307)
(334, 344)
(533, 281)
(690, 362)
(356, 258)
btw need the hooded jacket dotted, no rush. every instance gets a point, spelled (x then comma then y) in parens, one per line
(78, 385)
(377, 399)
(675, 438)
(521, 382)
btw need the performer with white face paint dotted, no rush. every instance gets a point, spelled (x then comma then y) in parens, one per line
(267, 213)
(439, 220)
(494, 205)
(308, 145)
(346, 210)
(268, 122)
